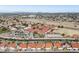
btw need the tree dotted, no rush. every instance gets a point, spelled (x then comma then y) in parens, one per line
(24, 24)
(58, 26)
(4, 29)
(61, 26)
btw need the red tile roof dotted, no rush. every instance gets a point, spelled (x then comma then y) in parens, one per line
(23, 45)
(31, 45)
(49, 45)
(75, 45)
(43, 30)
(58, 44)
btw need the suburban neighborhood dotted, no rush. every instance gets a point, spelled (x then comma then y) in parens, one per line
(39, 32)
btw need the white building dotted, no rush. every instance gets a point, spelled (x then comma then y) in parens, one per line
(55, 35)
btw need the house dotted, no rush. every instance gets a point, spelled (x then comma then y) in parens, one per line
(19, 33)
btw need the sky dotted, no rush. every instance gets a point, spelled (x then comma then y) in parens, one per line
(39, 8)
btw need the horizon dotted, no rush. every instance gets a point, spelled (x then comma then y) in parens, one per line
(39, 8)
